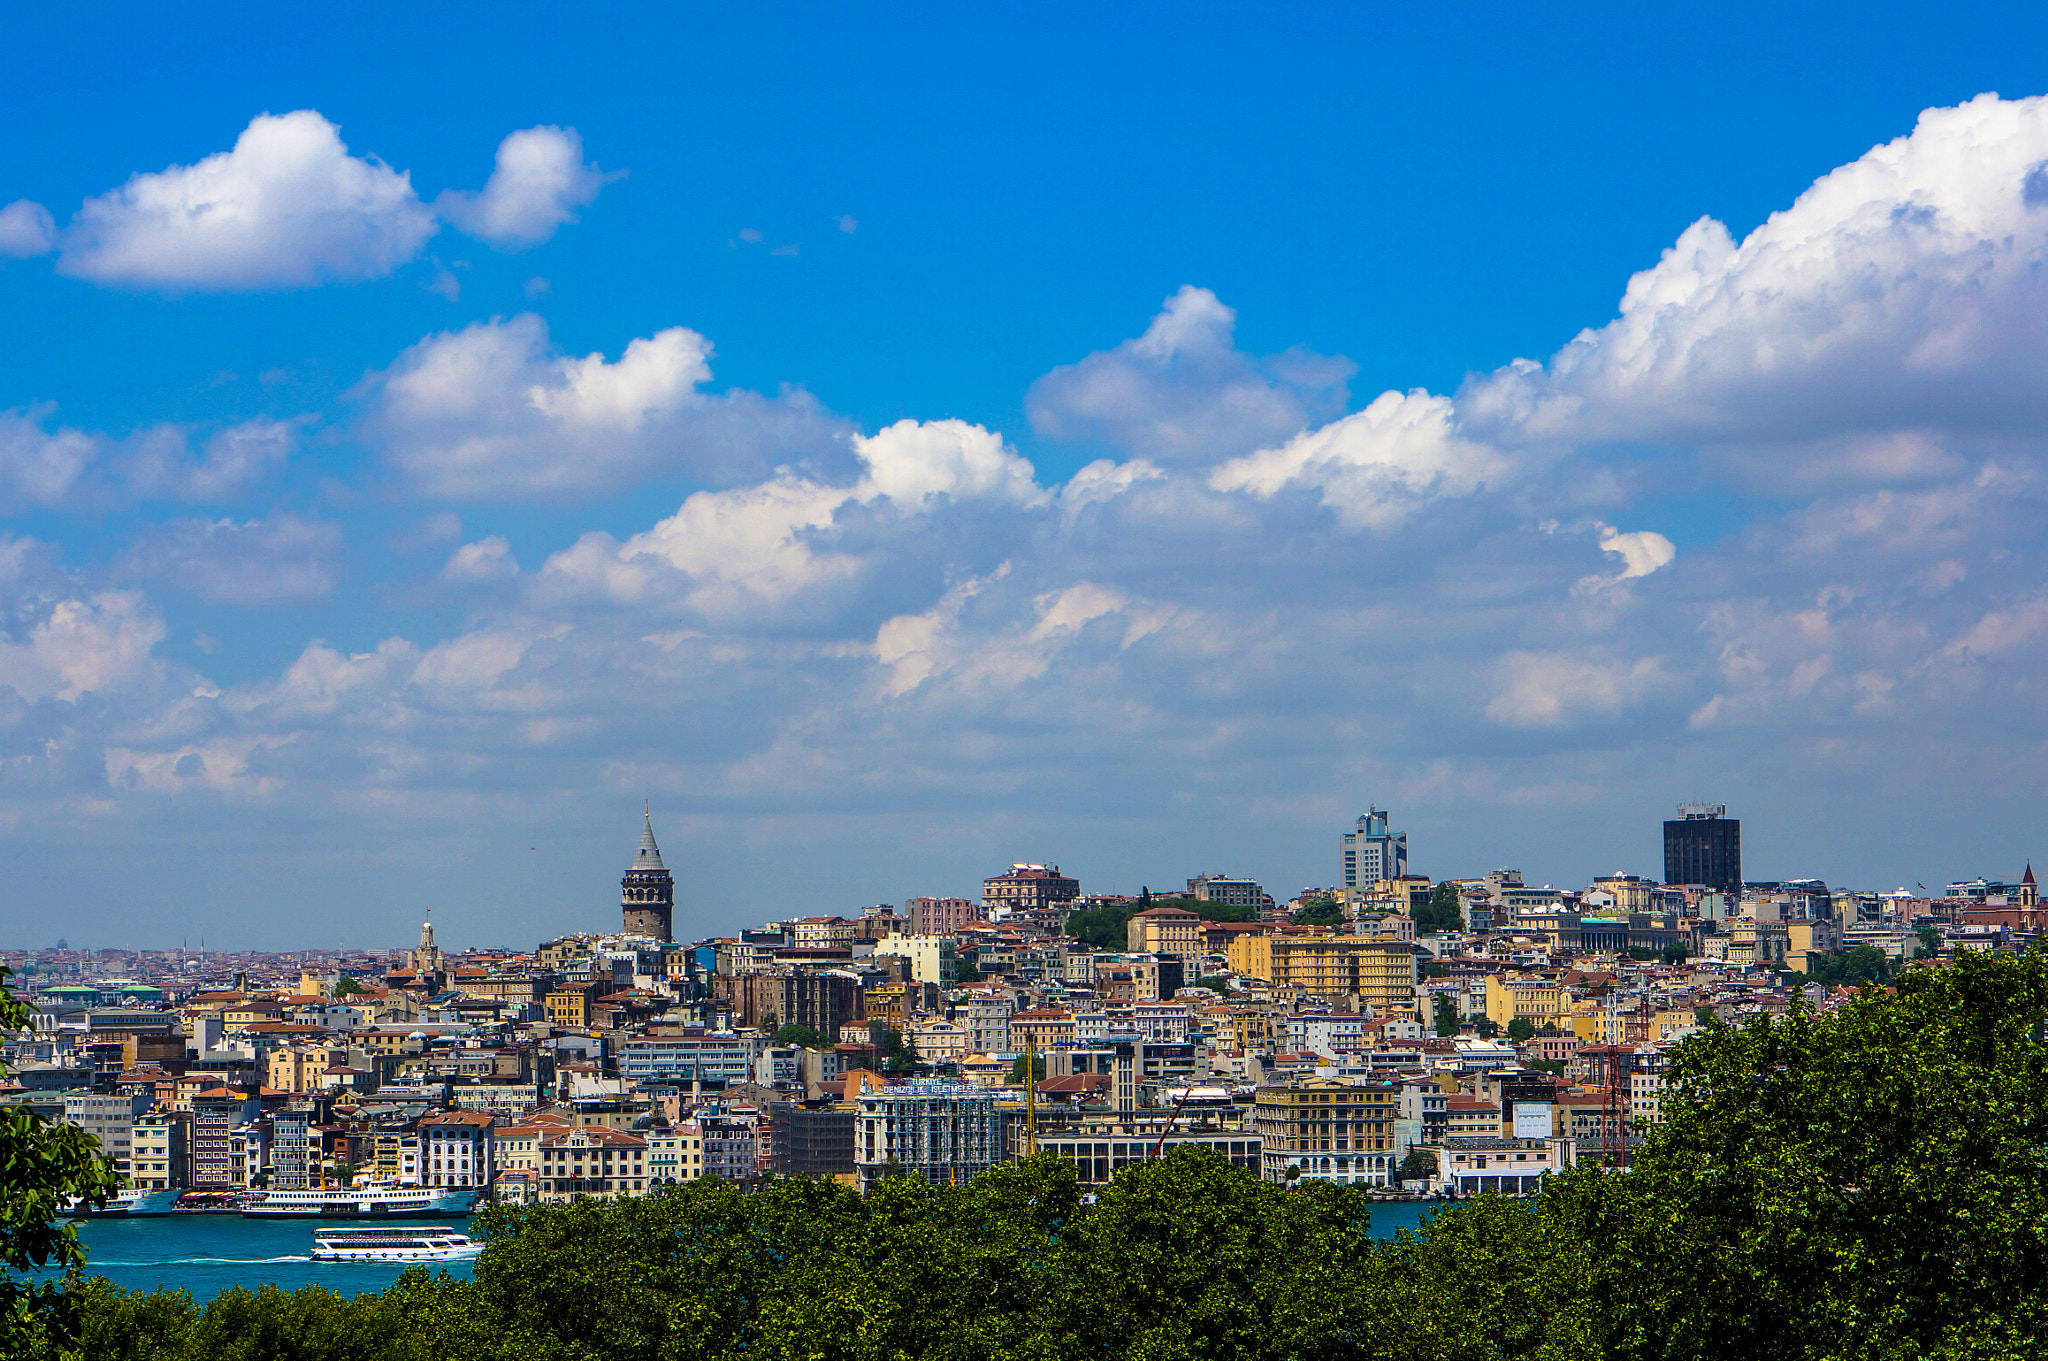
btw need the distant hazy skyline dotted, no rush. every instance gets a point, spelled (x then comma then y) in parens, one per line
(899, 444)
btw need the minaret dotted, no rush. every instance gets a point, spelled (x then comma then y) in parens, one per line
(647, 895)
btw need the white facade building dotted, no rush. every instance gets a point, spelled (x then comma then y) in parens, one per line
(456, 1150)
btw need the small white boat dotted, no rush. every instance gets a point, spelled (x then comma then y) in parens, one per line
(439, 1244)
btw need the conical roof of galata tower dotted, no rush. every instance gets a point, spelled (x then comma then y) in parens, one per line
(649, 855)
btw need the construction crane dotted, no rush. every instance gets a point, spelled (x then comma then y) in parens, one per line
(1614, 1122)
(1030, 1094)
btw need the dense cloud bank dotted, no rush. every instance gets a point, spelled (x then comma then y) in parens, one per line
(1505, 597)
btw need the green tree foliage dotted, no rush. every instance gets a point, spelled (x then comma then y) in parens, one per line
(1107, 927)
(1101, 927)
(1866, 1183)
(1319, 909)
(1419, 1165)
(1207, 911)
(1037, 1062)
(1443, 912)
(898, 1054)
(1444, 1012)
(1675, 953)
(1870, 1182)
(43, 1167)
(1215, 983)
(1521, 1030)
(349, 987)
(803, 1035)
(1930, 943)
(1864, 964)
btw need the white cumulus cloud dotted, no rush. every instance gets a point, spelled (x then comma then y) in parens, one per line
(26, 229)
(770, 541)
(287, 207)
(494, 411)
(1184, 392)
(539, 183)
(1376, 466)
(40, 467)
(97, 644)
(67, 468)
(488, 559)
(1641, 551)
(228, 463)
(1902, 299)
(1549, 689)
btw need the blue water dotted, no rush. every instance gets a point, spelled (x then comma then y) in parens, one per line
(205, 1254)
(1395, 1215)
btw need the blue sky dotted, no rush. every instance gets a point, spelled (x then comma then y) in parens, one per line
(343, 580)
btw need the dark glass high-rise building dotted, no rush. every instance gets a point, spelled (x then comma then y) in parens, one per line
(1703, 845)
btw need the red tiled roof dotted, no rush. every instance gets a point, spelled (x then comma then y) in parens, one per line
(1471, 1103)
(1077, 1082)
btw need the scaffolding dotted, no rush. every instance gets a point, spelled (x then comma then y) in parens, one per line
(940, 1131)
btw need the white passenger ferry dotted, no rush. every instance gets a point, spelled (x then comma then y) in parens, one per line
(127, 1204)
(439, 1244)
(364, 1200)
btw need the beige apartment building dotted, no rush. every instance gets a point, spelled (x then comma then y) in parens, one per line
(1043, 1031)
(1400, 895)
(1757, 942)
(518, 1145)
(1325, 1130)
(939, 1041)
(1028, 888)
(1806, 939)
(159, 1151)
(1319, 963)
(1165, 931)
(1533, 998)
(1632, 892)
(604, 1164)
(298, 1069)
(675, 1154)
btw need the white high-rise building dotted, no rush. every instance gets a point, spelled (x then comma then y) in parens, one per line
(1373, 853)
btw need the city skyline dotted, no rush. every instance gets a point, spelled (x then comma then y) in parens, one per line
(648, 894)
(412, 465)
